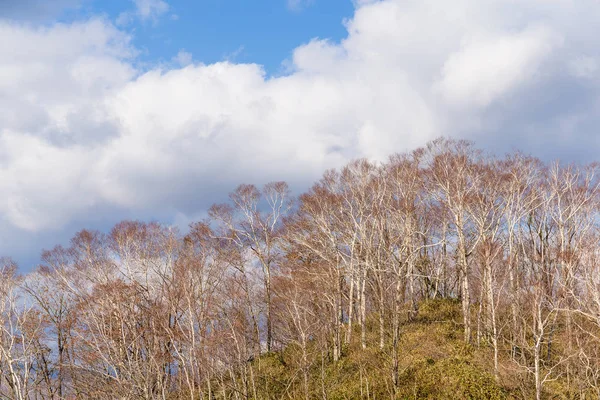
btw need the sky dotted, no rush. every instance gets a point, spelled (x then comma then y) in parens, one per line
(155, 109)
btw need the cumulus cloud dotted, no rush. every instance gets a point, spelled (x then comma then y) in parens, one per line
(486, 68)
(53, 85)
(83, 132)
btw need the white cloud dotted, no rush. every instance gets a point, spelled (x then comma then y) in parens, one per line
(486, 68)
(183, 58)
(53, 87)
(151, 9)
(82, 130)
(145, 10)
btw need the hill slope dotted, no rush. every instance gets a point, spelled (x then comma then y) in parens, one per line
(434, 363)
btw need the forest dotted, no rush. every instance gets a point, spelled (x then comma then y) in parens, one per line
(443, 272)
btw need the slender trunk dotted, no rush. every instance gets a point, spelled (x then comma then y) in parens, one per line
(305, 368)
(236, 390)
(245, 384)
(337, 317)
(491, 308)
(268, 300)
(381, 318)
(363, 309)
(396, 332)
(360, 377)
(538, 383)
(223, 390)
(513, 310)
(411, 270)
(465, 292)
(411, 289)
(466, 306)
(348, 337)
(513, 292)
(252, 381)
(61, 361)
(209, 387)
(444, 262)
(255, 328)
(480, 312)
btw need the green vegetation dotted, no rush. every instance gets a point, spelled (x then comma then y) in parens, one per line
(434, 364)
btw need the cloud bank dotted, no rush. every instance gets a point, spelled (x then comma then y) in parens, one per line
(84, 131)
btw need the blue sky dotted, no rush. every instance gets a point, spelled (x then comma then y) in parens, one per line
(155, 109)
(263, 32)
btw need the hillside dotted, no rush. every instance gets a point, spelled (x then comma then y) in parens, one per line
(434, 363)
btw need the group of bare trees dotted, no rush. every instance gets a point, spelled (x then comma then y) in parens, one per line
(146, 312)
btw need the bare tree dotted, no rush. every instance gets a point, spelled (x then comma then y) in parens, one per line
(251, 227)
(21, 332)
(453, 182)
